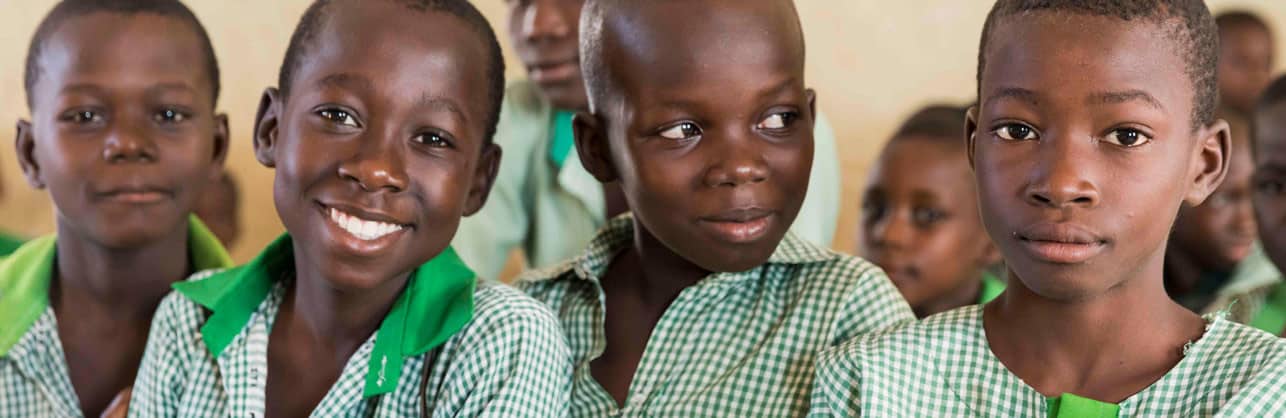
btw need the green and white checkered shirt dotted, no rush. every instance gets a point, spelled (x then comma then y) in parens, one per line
(942, 367)
(509, 361)
(733, 345)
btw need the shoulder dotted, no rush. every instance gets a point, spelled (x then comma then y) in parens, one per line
(502, 313)
(910, 341)
(1239, 346)
(183, 312)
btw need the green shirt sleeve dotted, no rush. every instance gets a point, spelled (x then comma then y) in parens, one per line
(819, 216)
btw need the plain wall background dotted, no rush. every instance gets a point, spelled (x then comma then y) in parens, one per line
(871, 61)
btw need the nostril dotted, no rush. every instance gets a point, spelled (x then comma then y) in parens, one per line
(1082, 200)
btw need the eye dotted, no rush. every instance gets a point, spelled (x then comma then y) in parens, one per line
(1271, 188)
(778, 121)
(433, 139)
(169, 116)
(339, 117)
(926, 216)
(873, 209)
(1128, 138)
(681, 131)
(1016, 132)
(81, 117)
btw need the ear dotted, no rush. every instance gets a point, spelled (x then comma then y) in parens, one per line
(483, 178)
(593, 146)
(24, 145)
(812, 103)
(971, 132)
(266, 123)
(1209, 164)
(221, 143)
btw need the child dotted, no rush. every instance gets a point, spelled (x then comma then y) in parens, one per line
(1266, 299)
(544, 202)
(920, 219)
(362, 309)
(219, 208)
(1084, 145)
(1212, 246)
(701, 303)
(124, 135)
(1246, 54)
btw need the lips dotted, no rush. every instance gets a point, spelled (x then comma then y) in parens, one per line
(135, 194)
(1061, 243)
(362, 230)
(554, 71)
(741, 225)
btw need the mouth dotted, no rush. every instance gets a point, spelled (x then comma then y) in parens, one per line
(363, 225)
(554, 71)
(1060, 243)
(740, 225)
(136, 195)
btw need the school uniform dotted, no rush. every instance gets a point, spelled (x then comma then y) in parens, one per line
(992, 287)
(732, 345)
(1255, 294)
(547, 204)
(9, 244)
(943, 367)
(490, 350)
(34, 381)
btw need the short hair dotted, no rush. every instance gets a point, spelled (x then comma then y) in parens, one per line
(1273, 96)
(1195, 37)
(938, 121)
(68, 9)
(314, 18)
(1235, 18)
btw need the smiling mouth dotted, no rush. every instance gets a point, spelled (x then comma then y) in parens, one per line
(363, 229)
(740, 226)
(137, 196)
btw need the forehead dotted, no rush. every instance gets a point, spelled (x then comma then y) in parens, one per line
(399, 52)
(1270, 134)
(1078, 57)
(687, 44)
(124, 51)
(924, 163)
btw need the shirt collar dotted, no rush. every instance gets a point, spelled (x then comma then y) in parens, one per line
(26, 274)
(437, 303)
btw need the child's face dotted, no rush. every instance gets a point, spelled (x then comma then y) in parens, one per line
(217, 208)
(1270, 181)
(1084, 149)
(380, 147)
(709, 128)
(1245, 64)
(123, 130)
(920, 219)
(545, 35)
(1219, 233)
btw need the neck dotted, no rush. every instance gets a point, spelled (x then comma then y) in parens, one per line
(965, 294)
(125, 283)
(1132, 327)
(339, 317)
(1182, 274)
(663, 273)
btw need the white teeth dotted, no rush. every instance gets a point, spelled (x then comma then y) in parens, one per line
(361, 228)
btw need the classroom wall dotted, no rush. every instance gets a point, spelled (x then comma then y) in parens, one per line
(871, 61)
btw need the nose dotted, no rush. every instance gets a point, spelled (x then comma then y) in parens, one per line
(1060, 179)
(743, 163)
(891, 231)
(128, 144)
(1243, 220)
(542, 21)
(376, 167)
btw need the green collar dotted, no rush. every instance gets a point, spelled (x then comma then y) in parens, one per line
(437, 303)
(562, 138)
(991, 287)
(1072, 406)
(25, 276)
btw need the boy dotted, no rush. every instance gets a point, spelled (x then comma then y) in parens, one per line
(362, 309)
(219, 208)
(1212, 251)
(544, 201)
(124, 135)
(1246, 54)
(920, 219)
(1084, 145)
(1267, 298)
(701, 303)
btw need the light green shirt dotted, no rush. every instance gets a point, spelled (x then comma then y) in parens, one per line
(9, 244)
(34, 381)
(943, 367)
(498, 353)
(991, 288)
(1249, 294)
(552, 212)
(734, 344)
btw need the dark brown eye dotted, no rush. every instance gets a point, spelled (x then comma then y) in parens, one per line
(1128, 138)
(681, 131)
(338, 117)
(1016, 132)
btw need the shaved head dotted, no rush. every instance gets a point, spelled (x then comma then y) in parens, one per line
(616, 33)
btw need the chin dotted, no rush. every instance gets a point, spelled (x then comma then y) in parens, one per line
(356, 276)
(1064, 284)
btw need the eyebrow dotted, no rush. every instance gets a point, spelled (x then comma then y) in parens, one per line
(1017, 93)
(443, 103)
(1118, 97)
(347, 81)
(169, 86)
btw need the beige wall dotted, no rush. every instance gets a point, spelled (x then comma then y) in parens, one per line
(872, 62)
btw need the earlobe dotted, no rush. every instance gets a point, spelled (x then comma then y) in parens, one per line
(593, 147)
(812, 103)
(1210, 163)
(221, 143)
(25, 147)
(484, 178)
(971, 132)
(266, 124)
